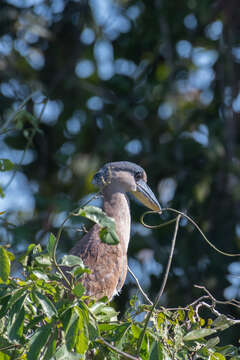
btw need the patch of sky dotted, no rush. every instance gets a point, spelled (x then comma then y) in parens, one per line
(16, 155)
(68, 148)
(44, 10)
(133, 12)
(108, 15)
(144, 271)
(18, 195)
(137, 228)
(201, 135)
(190, 21)
(59, 218)
(166, 189)
(184, 48)
(125, 67)
(201, 78)
(214, 30)
(206, 97)
(73, 125)
(165, 110)
(6, 44)
(57, 6)
(14, 89)
(236, 103)
(84, 68)
(95, 103)
(134, 147)
(87, 37)
(36, 59)
(23, 3)
(204, 58)
(103, 52)
(236, 53)
(51, 112)
(21, 46)
(30, 37)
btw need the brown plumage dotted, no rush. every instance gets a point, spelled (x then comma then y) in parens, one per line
(108, 263)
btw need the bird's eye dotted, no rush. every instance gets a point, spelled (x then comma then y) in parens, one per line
(138, 176)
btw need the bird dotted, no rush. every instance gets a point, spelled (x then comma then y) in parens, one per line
(108, 263)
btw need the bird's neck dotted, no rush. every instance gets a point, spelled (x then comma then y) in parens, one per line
(116, 205)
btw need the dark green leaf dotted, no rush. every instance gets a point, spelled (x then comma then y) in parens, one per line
(16, 330)
(108, 236)
(4, 264)
(78, 290)
(51, 244)
(38, 341)
(156, 352)
(46, 304)
(6, 165)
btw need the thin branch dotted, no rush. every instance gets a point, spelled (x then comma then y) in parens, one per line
(141, 337)
(122, 353)
(201, 232)
(139, 286)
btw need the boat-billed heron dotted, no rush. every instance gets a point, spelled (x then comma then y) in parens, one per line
(108, 263)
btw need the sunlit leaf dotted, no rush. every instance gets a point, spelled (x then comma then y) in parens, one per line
(6, 165)
(4, 264)
(198, 334)
(72, 260)
(46, 304)
(78, 290)
(108, 231)
(38, 341)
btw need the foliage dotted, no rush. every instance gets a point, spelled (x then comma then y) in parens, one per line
(40, 318)
(85, 82)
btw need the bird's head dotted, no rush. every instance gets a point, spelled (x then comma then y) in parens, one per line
(127, 177)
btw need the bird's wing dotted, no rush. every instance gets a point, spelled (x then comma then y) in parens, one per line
(105, 262)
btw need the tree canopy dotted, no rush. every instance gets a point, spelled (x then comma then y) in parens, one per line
(153, 82)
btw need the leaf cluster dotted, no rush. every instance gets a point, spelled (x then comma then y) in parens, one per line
(42, 318)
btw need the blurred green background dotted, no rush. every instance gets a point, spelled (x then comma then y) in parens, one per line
(152, 82)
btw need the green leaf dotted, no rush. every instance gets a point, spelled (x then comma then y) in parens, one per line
(198, 334)
(38, 341)
(43, 260)
(79, 290)
(51, 244)
(4, 356)
(40, 275)
(16, 330)
(63, 354)
(108, 236)
(6, 165)
(108, 231)
(4, 264)
(46, 304)
(76, 334)
(222, 322)
(217, 356)
(156, 352)
(72, 260)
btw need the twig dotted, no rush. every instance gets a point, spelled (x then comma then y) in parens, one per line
(126, 355)
(156, 301)
(201, 232)
(232, 302)
(139, 286)
(28, 142)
